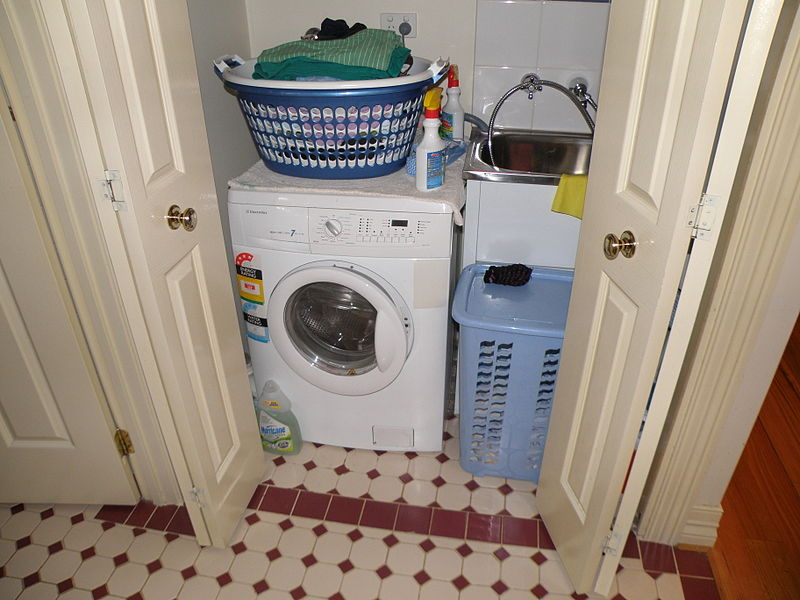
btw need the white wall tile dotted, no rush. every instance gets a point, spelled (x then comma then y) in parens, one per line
(490, 84)
(554, 111)
(573, 35)
(507, 32)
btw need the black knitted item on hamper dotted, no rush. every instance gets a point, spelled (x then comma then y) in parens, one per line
(509, 275)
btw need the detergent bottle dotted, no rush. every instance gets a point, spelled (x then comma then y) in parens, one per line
(280, 431)
(453, 112)
(430, 151)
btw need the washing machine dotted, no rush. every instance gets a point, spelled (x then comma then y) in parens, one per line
(346, 305)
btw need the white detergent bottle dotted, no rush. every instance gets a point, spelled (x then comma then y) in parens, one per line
(453, 112)
(280, 431)
(430, 151)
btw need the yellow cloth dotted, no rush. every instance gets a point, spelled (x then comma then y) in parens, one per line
(570, 195)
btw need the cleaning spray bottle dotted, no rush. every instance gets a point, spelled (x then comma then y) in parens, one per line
(280, 431)
(453, 112)
(430, 151)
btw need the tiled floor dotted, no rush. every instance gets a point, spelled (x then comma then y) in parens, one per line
(334, 524)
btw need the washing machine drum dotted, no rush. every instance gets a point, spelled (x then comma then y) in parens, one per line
(340, 327)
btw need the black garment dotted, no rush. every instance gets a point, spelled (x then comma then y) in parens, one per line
(335, 29)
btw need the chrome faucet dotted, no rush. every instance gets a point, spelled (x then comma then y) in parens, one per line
(580, 90)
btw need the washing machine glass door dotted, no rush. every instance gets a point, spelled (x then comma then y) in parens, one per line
(339, 328)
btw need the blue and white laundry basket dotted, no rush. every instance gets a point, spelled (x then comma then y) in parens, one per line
(331, 129)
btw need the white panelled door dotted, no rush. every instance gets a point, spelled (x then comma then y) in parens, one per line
(138, 67)
(664, 78)
(56, 434)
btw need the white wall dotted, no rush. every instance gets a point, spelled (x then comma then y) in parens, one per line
(444, 27)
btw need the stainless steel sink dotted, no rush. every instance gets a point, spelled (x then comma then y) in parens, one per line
(524, 156)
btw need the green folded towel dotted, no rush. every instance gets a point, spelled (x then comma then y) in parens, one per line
(368, 54)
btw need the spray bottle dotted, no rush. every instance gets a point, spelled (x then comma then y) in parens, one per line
(280, 431)
(430, 151)
(453, 112)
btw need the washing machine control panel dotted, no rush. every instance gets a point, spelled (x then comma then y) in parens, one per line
(380, 233)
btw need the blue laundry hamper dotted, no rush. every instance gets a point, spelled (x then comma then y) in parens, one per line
(509, 353)
(331, 129)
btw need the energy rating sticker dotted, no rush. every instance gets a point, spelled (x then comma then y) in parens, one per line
(250, 280)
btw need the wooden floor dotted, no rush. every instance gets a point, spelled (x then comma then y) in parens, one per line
(757, 554)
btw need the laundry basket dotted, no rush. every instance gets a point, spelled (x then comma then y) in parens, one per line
(509, 353)
(331, 129)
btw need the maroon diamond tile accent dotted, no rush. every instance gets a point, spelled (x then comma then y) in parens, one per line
(449, 523)
(346, 565)
(577, 596)
(693, 563)
(379, 514)
(657, 557)
(252, 519)
(106, 525)
(171, 537)
(505, 489)
(298, 593)
(438, 482)
(341, 470)
(539, 591)
(75, 519)
(336, 596)
(539, 558)
(161, 517)
(285, 524)
(372, 474)
(504, 513)
(31, 579)
(619, 597)
(390, 540)
(87, 552)
(383, 572)
(120, 559)
(311, 505)
(137, 531)
(310, 465)
(345, 510)
(501, 554)
(653, 574)
(63, 586)
(415, 519)
(380, 452)
(406, 477)
(427, 545)
(141, 514)
(279, 500)
(422, 577)
(308, 560)
(274, 554)
(464, 550)
(447, 436)
(17, 508)
(188, 572)
(484, 528)
(520, 532)
(100, 592)
(472, 485)
(278, 461)
(411, 455)
(238, 547)
(699, 589)
(460, 582)
(136, 596)
(500, 587)
(619, 568)
(260, 586)
(154, 566)
(22, 542)
(224, 579)
(320, 530)
(53, 548)
(442, 458)
(46, 514)
(355, 535)
(180, 522)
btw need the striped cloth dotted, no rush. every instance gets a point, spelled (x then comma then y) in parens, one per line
(379, 52)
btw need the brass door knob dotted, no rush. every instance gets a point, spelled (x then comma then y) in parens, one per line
(175, 218)
(625, 244)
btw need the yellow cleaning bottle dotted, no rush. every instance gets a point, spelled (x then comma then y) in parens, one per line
(430, 151)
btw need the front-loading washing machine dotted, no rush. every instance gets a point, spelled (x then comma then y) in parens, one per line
(346, 302)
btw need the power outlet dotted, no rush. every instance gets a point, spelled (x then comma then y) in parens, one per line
(392, 21)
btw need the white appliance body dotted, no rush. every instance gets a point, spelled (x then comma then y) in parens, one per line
(347, 309)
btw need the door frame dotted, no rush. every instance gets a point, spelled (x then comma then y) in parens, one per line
(101, 288)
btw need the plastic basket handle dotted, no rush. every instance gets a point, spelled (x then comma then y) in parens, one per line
(227, 62)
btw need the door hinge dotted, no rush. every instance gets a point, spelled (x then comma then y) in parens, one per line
(110, 193)
(13, 116)
(123, 441)
(611, 544)
(197, 496)
(702, 217)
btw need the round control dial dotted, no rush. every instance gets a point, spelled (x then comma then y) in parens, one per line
(333, 227)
